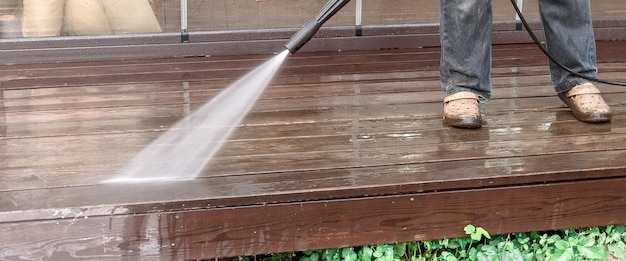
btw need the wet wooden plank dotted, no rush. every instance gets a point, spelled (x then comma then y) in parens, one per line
(417, 127)
(193, 69)
(316, 184)
(342, 113)
(356, 128)
(225, 232)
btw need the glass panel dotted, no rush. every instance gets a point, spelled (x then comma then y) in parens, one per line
(211, 15)
(205, 15)
(46, 18)
(37, 18)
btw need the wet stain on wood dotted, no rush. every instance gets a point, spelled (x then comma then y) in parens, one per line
(342, 149)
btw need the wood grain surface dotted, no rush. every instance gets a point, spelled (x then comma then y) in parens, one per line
(343, 148)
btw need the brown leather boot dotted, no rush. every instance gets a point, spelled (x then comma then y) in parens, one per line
(587, 103)
(461, 110)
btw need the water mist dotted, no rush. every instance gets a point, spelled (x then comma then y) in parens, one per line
(182, 152)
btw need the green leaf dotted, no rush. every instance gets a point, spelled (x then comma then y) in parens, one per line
(454, 243)
(447, 256)
(617, 234)
(331, 254)
(620, 229)
(366, 253)
(572, 241)
(413, 246)
(444, 242)
(314, 256)
(469, 229)
(464, 242)
(380, 251)
(563, 255)
(596, 252)
(473, 253)
(514, 255)
(586, 241)
(430, 245)
(399, 249)
(618, 250)
(389, 252)
(346, 251)
(594, 231)
(552, 239)
(562, 245)
(486, 257)
(487, 253)
(608, 229)
(350, 256)
(528, 257)
(522, 239)
(477, 232)
(483, 232)
(281, 256)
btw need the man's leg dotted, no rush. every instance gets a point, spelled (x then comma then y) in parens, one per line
(570, 40)
(465, 31)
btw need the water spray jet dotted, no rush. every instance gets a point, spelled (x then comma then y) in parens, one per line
(182, 152)
(309, 29)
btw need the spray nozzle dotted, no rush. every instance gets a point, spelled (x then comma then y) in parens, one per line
(308, 30)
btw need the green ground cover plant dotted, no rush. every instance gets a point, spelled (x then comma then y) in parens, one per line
(596, 243)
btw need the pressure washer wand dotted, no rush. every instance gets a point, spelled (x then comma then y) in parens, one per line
(308, 30)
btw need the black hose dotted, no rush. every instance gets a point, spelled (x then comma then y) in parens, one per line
(534, 37)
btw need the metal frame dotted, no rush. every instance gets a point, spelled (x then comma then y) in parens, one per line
(264, 41)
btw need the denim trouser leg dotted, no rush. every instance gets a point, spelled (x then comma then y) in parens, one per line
(569, 38)
(465, 32)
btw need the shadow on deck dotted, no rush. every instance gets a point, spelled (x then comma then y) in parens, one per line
(342, 149)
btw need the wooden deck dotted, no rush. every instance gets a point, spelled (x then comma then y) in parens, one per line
(344, 148)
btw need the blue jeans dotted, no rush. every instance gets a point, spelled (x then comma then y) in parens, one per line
(465, 31)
